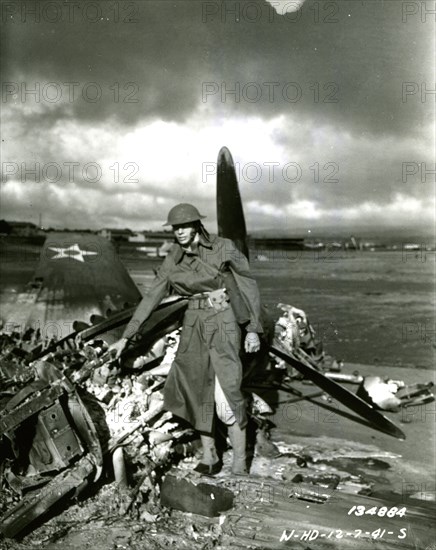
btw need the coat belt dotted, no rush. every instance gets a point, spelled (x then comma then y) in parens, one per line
(199, 303)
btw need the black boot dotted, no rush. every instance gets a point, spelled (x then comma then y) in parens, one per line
(210, 463)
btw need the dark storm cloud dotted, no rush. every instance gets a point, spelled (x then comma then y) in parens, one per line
(154, 60)
(186, 77)
(366, 56)
(174, 49)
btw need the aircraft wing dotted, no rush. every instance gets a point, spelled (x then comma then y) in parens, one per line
(78, 275)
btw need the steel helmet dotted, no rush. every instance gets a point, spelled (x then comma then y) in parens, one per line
(183, 213)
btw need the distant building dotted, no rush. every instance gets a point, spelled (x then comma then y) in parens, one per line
(276, 244)
(137, 238)
(155, 243)
(5, 228)
(158, 236)
(23, 229)
(115, 234)
(314, 245)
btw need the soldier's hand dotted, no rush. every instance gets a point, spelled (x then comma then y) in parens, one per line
(116, 349)
(252, 342)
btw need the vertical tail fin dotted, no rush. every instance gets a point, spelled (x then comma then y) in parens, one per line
(230, 214)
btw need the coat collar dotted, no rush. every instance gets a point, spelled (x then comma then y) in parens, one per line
(203, 241)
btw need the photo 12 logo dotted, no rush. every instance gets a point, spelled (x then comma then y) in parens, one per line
(277, 172)
(254, 92)
(421, 252)
(57, 11)
(424, 332)
(420, 90)
(281, 11)
(422, 490)
(68, 172)
(68, 92)
(411, 169)
(425, 11)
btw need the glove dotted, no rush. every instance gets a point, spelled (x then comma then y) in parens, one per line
(252, 342)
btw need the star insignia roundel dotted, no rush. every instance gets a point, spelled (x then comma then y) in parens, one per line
(73, 252)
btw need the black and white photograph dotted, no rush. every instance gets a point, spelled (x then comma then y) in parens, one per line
(217, 274)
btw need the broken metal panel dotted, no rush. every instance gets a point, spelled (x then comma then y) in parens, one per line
(55, 444)
(10, 421)
(33, 506)
(84, 425)
(59, 431)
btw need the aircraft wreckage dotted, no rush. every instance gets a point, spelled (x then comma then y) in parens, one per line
(71, 416)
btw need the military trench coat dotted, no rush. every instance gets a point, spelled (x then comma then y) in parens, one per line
(210, 341)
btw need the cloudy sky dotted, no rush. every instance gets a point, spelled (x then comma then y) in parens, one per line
(323, 105)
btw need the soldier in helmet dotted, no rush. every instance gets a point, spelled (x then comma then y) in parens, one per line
(206, 375)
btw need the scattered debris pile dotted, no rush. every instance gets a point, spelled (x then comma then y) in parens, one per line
(392, 395)
(69, 417)
(297, 335)
(75, 424)
(295, 331)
